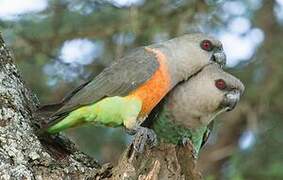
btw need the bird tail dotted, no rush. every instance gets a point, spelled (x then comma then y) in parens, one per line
(48, 114)
(49, 108)
(47, 117)
(62, 123)
(56, 122)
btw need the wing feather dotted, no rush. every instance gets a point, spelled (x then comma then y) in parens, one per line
(122, 77)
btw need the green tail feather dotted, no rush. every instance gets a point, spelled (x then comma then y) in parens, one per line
(66, 123)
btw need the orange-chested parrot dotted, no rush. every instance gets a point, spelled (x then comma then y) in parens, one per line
(187, 112)
(124, 93)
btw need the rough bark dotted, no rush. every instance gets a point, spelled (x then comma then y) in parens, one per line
(24, 155)
(167, 161)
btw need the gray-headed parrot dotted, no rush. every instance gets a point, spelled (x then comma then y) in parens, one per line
(187, 112)
(124, 93)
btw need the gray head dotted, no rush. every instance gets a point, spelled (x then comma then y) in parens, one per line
(189, 53)
(197, 101)
(210, 47)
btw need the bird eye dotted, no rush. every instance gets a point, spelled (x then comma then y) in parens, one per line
(206, 45)
(220, 84)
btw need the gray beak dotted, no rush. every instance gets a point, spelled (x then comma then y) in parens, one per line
(231, 99)
(219, 57)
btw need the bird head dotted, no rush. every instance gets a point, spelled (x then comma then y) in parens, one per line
(209, 48)
(208, 93)
(189, 53)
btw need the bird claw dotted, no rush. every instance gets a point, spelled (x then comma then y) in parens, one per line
(188, 142)
(142, 137)
(131, 131)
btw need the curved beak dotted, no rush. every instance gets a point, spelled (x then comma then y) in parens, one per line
(219, 57)
(231, 99)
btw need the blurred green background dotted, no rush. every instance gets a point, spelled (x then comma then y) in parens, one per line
(59, 44)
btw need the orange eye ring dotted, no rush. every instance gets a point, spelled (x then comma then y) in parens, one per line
(206, 45)
(220, 84)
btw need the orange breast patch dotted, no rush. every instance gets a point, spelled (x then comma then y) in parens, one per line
(154, 89)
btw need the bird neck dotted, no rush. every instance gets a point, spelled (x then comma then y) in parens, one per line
(181, 64)
(168, 131)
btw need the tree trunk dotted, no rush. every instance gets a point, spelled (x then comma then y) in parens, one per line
(25, 156)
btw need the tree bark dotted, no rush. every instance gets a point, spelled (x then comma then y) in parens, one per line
(167, 161)
(24, 155)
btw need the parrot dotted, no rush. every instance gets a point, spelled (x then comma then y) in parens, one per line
(186, 114)
(126, 91)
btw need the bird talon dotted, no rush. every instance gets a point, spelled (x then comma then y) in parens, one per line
(144, 136)
(188, 142)
(131, 131)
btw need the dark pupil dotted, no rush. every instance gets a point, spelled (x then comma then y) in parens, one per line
(220, 84)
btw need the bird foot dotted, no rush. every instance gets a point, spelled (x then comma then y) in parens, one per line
(142, 137)
(186, 142)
